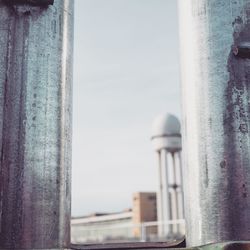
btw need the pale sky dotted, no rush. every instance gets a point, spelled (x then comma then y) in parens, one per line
(126, 71)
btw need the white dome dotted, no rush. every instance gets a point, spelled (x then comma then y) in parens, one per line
(166, 124)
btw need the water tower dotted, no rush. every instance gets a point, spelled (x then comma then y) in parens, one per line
(166, 139)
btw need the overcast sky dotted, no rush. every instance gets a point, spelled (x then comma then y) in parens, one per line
(126, 71)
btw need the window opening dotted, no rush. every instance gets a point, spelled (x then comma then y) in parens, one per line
(126, 72)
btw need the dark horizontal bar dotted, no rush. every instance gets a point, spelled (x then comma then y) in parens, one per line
(30, 2)
(242, 50)
(241, 245)
(131, 245)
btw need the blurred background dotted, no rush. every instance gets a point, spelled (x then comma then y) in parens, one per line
(126, 72)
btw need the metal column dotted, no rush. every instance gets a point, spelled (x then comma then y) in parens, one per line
(160, 213)
(167, 209)
(215, 44)
(35, 124)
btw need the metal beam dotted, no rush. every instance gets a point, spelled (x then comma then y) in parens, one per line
(35, 125)
(214, 36)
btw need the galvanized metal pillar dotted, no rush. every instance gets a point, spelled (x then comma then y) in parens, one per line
(35, 123)
(215, 43)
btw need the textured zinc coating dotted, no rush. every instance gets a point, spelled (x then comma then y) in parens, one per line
(216, 96)
(35, 125)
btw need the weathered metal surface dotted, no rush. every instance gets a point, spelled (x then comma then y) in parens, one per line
(226, 246)
(35, 125)
(216, 97)
(31, 2)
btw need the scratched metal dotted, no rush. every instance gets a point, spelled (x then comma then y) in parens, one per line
(35, 124)
(216, 97)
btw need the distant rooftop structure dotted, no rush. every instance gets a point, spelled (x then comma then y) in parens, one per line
(102, 217)
(101, 214)
(125, 225)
